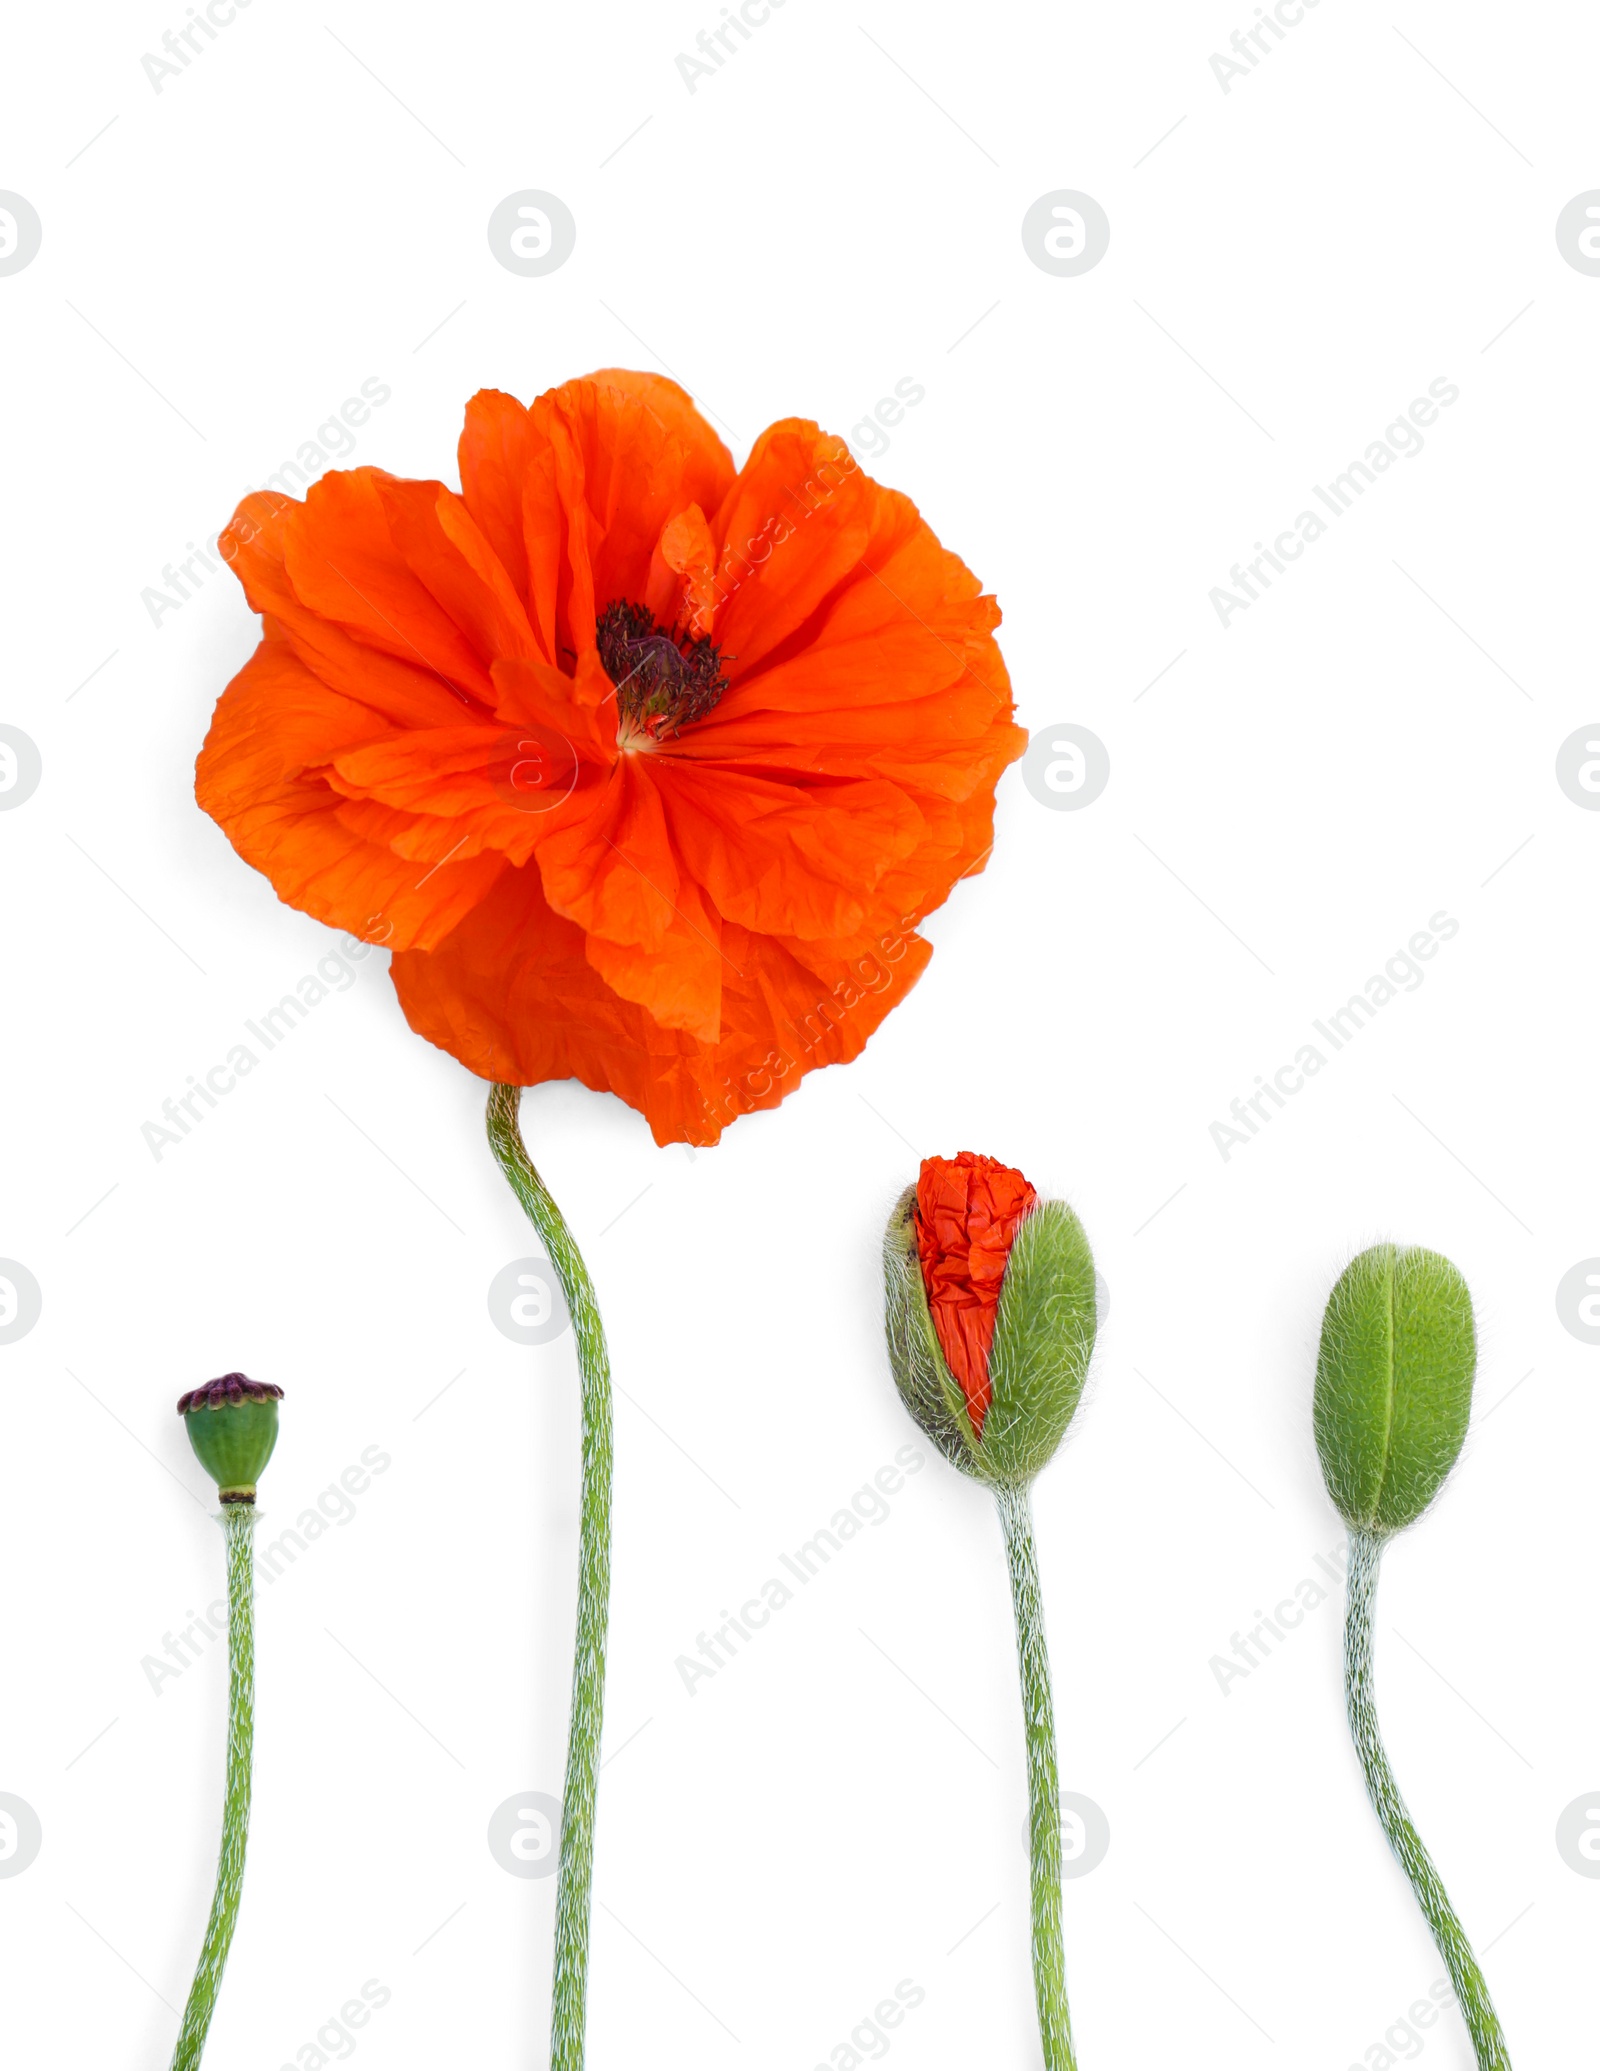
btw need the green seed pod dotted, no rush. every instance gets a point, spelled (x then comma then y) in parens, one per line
(990, 1317)
(1394, 1385)
(233, 1425)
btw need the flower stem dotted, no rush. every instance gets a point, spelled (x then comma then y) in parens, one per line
(570, 1980)
(1044, 1783)
(238, 1524)
(1472, 1993)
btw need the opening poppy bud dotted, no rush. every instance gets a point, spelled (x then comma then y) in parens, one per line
(990, 1314)
(233, 1425)
(1394, 1384)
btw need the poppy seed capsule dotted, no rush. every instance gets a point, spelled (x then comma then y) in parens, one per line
(233, 1425)
(990, 1315)
(1394, 1384)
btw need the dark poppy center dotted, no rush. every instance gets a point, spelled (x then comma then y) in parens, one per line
(663, 683)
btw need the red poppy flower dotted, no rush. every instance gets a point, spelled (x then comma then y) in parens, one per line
(646, 769)
(967, 1213)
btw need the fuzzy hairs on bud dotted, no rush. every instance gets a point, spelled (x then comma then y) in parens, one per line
(1039, 1360)
(1043, 1342)
(1394, 1384)
(926, 1385)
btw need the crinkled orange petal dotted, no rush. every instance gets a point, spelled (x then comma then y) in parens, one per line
(681, 589)
(911, 618)
(495, 455)
(949, 742)
(797, 1008)
(968, 1211)
(959, 838)
(678, 980)
(792, 528)
(512, 996)
(449, 784)
(611, 867)
(533, 692)
(254, 545)
(623, 454)
(782, 859)
(645, 454)
(444, 549)
(344, 563)
(508, 483)
(260, 776)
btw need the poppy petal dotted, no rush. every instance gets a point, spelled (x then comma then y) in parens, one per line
(511, 994)
(259, 775)
(254, 545)
(782, 859)
(612, 868)
(443, 547)
(644, 454)
(678, 981)
(344, 564)
(792, 529)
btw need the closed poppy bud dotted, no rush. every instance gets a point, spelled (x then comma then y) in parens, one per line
(1392, 1400)
(990, 1305)
(233, 1425)
(1394, 1384)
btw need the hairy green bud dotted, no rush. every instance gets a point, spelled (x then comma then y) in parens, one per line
(1394, 1384)
(1004, 1416)
(926, 1385)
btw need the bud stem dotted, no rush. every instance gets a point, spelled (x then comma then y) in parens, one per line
(570, 1981)
(1044, 1783)
(1472, 1993)
(238, 1524)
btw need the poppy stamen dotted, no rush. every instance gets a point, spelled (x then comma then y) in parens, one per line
(662, 683)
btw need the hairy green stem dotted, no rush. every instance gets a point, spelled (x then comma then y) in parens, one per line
(1044, 1783)
(238, 1524)
(1472, 1993)
(570, 1981)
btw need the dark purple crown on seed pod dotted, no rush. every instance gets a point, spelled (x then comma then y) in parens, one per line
(231, 1387)
(232, 1424)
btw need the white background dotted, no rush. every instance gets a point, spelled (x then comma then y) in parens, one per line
(304, 208)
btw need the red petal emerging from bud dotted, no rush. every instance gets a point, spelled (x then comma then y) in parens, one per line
(968, 1209)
